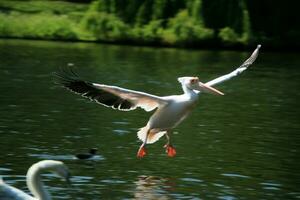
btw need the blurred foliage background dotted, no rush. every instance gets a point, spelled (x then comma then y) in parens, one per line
(183, 23)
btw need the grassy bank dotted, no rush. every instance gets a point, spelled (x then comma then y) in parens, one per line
(195, 23)
(41, 19)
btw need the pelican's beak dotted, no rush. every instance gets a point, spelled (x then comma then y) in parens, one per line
(206, 88)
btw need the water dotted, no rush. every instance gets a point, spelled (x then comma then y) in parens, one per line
(244, 145)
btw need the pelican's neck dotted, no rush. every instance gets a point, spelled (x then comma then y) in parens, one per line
(188, 91)
(35, 184)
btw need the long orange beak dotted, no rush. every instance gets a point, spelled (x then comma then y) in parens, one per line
(206, 88)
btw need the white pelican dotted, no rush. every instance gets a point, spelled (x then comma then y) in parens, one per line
(34, 183)
(170, 110)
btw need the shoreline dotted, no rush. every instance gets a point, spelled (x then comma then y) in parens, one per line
(156, 45)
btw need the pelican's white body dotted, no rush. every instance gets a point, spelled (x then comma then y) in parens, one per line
(170, 115)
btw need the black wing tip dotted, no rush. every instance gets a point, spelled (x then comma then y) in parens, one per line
(64, 76)
(66, 72)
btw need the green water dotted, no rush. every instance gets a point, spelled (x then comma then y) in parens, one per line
(244, 145)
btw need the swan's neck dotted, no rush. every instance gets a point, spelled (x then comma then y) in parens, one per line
(35, 184)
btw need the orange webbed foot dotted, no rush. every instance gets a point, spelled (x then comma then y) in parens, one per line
(142, 152)
(170, 150)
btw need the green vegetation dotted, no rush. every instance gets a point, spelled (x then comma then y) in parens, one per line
(43, 26)
(104, 26)
(40, 19)
(192, 23)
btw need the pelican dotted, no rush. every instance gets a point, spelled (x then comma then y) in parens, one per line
(34, 183)
(170, 110)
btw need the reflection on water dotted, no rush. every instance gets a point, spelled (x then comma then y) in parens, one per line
(244, 145)
(151, 187)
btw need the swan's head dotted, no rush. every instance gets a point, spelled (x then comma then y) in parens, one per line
(34, 172)
(193, 83)
(56, 167)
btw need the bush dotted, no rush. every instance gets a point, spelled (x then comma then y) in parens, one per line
(151, 32)
(228, 35)
(45, 26)
(185, 29)
(104, 26)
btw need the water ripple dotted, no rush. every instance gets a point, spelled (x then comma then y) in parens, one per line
(64, 157)
(120, 132)
(192, 180)
(235, 175)
(5, 169)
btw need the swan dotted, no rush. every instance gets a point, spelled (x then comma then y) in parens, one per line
(170, 110)
(34, 182)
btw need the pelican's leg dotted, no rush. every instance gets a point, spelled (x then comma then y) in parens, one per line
(170, 150)
(142, 150)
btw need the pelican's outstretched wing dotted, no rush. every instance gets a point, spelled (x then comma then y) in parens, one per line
(110, 96)
(236, 72)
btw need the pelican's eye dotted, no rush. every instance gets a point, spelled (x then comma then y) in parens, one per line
(194, 80)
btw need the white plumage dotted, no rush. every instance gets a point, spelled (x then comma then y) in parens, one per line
(170, 110)
(34, 183)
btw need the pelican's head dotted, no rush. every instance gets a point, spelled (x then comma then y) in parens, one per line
(193, 83)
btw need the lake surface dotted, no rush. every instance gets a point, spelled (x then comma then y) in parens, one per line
(244, 145)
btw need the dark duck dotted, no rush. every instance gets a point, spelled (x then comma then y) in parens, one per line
(90, 154)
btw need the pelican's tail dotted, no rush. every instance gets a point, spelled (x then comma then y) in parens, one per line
(153, 135)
